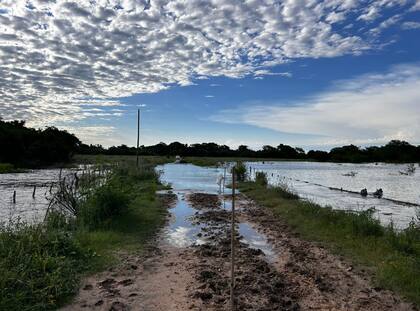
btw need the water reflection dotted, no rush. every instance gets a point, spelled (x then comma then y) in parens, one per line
(312, 179)
(256, 240)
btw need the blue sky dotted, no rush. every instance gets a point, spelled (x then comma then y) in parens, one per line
(313, 74)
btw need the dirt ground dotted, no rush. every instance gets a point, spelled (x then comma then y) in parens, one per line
(303, 276)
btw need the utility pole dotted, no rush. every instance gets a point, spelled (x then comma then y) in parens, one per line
(138, 137)
(232, 245)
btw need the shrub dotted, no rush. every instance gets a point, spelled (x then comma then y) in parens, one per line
(106, 203)
(240, 170)
(261, 179)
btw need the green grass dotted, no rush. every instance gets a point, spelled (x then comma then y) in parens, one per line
(41, 265)
(393, 257)
(121, 159)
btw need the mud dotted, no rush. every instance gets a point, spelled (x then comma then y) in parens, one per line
(204, 201)
(303, 276)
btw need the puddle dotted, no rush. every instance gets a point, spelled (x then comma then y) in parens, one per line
(181, 232)
(183, 229)
(257, 241)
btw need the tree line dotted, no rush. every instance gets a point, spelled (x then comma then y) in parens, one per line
(394, 151)
(28, 147)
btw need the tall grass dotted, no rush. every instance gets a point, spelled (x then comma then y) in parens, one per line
(392, 255)
(40, 267)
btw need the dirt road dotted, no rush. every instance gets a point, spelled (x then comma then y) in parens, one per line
(275, 270)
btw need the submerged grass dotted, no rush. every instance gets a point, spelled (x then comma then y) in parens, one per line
(41, 265)
(392, 256)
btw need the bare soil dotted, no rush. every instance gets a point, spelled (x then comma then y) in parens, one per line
(304, 275)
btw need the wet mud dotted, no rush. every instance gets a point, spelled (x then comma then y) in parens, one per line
(274, 268)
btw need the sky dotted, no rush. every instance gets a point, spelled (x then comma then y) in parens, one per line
(307, 73)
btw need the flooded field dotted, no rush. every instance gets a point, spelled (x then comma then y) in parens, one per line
(29, 206)
(313, 180)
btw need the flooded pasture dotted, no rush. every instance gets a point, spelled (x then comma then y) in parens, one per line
(28, 206)
(321, 183)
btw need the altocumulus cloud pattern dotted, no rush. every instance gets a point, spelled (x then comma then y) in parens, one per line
(58, 58)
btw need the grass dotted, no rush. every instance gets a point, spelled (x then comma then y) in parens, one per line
(393, 257)
(122, 159)
(41, 265)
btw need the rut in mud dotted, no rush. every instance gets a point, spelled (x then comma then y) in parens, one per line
(188, 267)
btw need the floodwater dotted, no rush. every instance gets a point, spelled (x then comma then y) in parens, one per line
(182, 231)
(312, 181)
(29, 208)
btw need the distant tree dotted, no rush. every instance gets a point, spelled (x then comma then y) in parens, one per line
(24, 146)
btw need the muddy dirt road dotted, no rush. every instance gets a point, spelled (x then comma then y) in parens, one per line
(187, 266)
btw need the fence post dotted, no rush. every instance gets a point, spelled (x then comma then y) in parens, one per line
(14, 196)
(232, 245)
(33, 193)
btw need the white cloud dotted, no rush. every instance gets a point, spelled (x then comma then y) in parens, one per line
(209, 96)
(410, 25)
(53, 53)
(265, 72)
(373, 108)
(106, 135)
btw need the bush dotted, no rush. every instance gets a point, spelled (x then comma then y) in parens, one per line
(261, 179)
(106, 203)
(240, 170)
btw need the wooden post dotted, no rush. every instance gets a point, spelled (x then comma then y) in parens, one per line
(33, 193)
(14, 196)
(224, 179)
(232, 245)
(138, 137)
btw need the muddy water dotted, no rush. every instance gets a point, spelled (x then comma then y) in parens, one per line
(183, 228)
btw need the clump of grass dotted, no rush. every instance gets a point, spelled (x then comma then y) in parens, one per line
(392, 255)
(261, 179)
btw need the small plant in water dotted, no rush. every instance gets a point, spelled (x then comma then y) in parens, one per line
(240, 170)
(261, 179)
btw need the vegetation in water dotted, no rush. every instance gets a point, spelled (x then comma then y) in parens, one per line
(261, 178)
(393, 256)
(41, 265)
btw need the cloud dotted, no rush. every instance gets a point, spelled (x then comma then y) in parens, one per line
(52, 53)
(410, 25)
(372, 108)
(265, 72)
(92, 134)
(209, 96)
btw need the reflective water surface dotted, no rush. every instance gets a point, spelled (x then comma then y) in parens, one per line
(181, 230)
(311, 181)
(27, 208)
